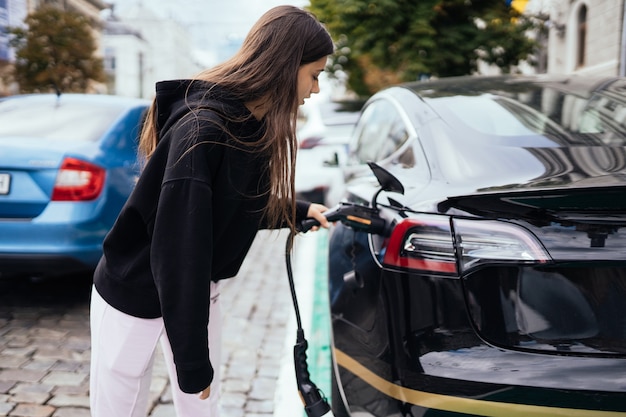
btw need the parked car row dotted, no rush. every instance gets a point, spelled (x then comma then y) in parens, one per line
(67, 165)
(499, 287)
(323, 136)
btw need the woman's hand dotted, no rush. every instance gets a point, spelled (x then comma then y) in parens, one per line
(205, 393)
(316, 212)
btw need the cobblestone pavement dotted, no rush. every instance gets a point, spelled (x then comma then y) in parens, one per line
(45, 348)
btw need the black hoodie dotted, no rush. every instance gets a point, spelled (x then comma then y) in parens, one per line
(190, 219)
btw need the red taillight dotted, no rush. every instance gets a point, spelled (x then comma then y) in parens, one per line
(424, 244)
(310, 143)
(78, 181)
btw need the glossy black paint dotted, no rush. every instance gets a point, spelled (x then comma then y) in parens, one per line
(522, 334)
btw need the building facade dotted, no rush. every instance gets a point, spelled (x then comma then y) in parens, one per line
(125, 53)
(12, 14)
(141, 48)
(587, 37)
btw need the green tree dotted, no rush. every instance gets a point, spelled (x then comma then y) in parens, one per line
(55, 52)
(382, 42)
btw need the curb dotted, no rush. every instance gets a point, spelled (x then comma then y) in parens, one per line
(309, 270)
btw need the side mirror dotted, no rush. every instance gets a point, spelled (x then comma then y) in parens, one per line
(332, 161)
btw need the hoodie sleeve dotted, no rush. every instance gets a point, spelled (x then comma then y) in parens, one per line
(181, 252)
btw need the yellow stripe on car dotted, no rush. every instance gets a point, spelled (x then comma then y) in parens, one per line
(460, 404)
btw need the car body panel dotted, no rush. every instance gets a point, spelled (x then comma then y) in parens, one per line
(492, 335)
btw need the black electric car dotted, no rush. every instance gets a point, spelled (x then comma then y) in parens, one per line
(498, 285)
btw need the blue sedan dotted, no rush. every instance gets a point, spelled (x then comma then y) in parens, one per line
(67, 165)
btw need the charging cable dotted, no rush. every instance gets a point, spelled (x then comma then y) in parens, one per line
(315, 404)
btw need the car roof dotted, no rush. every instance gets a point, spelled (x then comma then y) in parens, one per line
(513, 84)
(79, 97)
(495, 133)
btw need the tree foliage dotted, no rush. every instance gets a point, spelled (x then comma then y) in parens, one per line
(382, 42)
(55, 52)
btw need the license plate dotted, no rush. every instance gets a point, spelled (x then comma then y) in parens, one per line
(5, 181)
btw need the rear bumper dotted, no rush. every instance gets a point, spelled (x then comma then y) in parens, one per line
(49, 249)
(407, 344)
(46, 265)
(371, 388)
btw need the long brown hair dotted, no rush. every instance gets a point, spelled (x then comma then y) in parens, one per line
(265, 68)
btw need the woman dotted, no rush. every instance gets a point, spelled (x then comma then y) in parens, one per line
(220, 161)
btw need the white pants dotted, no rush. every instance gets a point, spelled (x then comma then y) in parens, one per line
(122, 354)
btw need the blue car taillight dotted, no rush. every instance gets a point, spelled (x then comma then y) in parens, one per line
(78, 180)
(438, 244)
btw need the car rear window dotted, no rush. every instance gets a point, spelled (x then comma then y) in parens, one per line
(54, 120)
(563, 119)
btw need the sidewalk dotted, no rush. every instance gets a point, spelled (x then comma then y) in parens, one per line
(259, 331)
(45, 339)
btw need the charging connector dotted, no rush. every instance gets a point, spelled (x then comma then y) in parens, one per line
(315, 404)
(357, 217)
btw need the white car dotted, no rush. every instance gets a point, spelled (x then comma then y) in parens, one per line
(324, 131)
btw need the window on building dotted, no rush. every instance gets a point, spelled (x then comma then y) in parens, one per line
(582, 36)
(109, 59)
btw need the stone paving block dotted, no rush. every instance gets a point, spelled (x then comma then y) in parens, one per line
(243, 355)
(49, 348)
(233, 400)
(166, 395)
(240, 371)
(66, 366)
(30, 397)
(48, 333)
(158, 384)
(163, 410)
(261, 407)
(40, 364)
(6, 386)
(6, 408)
(84, 368)
(76, 320)
(64, 378)
(19, 330)
(260, 389)
(81, 343)
(236, 385)
(17, 350)
(21, 375)
(28, 387)
(72, 412)
(81, 331)
(82, 389)
(48, 352)
(12, 361)
(67, 400)
(49, 321)
(32, 410)
(233, 412)
(157, 387)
